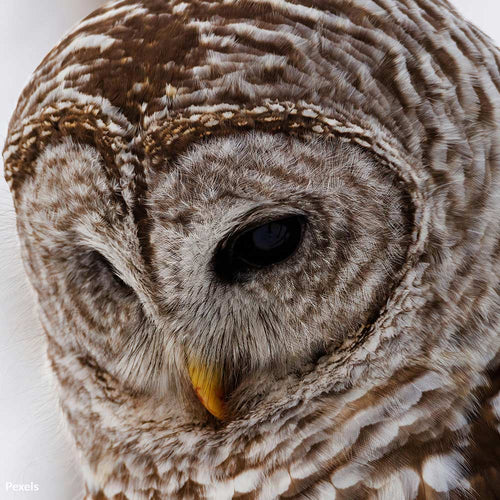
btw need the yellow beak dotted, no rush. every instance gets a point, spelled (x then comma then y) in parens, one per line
(207, 383)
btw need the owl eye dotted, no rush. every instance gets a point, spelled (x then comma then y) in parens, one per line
(268, 244)
(261, 246)
(104, 264)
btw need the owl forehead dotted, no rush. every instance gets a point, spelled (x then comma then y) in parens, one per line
(249, 166)
(151, 77)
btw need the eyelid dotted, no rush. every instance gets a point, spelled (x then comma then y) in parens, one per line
(261, 215)
(247, 229)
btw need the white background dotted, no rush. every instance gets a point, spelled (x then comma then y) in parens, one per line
(33, 447)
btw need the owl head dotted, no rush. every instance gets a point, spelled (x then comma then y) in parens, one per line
(249, 222)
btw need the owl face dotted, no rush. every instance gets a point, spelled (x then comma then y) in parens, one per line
(247, 258)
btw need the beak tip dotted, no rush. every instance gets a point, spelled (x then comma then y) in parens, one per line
(207, 384)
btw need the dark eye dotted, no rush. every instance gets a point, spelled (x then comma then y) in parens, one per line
(260, 246)
(94, 266)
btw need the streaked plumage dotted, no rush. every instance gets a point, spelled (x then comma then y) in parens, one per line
(365, 365)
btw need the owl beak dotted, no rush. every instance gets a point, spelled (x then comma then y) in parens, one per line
(207, 383)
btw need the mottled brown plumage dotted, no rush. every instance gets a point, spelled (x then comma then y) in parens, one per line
(363, 366)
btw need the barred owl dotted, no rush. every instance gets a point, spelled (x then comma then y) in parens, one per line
(264, 237)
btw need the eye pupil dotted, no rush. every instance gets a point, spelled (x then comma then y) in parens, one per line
(270, 236)
(259, 247)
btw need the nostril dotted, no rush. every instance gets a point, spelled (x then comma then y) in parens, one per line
(258, 246)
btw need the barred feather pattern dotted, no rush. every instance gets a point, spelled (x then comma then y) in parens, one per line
(365, 366)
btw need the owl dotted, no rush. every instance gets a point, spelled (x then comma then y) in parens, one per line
(264, 238)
